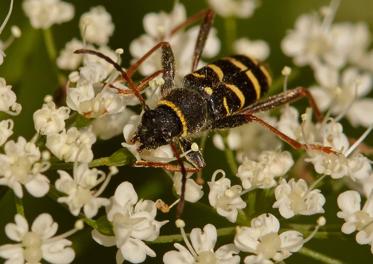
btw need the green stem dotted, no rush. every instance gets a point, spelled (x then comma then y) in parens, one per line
(225, 231)
(19, 205)
(52, 53)
(251, 201)
(230, 32)
(229, 155)
(319, 256)
(92, 223)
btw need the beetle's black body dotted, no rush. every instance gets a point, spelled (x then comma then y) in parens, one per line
(208, 95)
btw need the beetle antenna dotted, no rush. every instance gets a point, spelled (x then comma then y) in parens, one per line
(119, 68)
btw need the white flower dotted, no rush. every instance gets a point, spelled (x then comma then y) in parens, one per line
(22, 165)
(45, 13)
(8, 99)
(6, 130)
(109, 126)
(96, 26)
(341, 93)
(133, 221)
(262, 173)
(72, 145)
(158, 26)
(193, 191)
(49, 119)
(79, 189)
(366, 185)
(224, 197)
(294, 198)
(229, 8)
(356, 166)
(263, 241)
(257, 49)
(91, 95)
(357, 218)
(68, 60)
(288, 122)
(202, 249)
(36, 243)
(84, 100)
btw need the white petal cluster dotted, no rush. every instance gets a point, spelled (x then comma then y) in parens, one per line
(81, 189)
(329, 133)
(88, 93)
(226, 199)
(36, 243)
(263, 172)
(109, 126)
(133, 221)
(87, 102)
(193, 191)
(295, 198)
(8, 99)
(202, 249)
(357, 218)
(45, 13)
(72, 145)
(96, 26)
(50, 120)
(356, 166)
(234, 8)
(22, 164)
(158, 26)
(67, 60)
(342, 93)
(258, 49)
(248, 141)
(262, 240)
(316, 41)
(6, 130)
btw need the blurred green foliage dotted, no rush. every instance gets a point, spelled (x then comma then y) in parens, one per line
(31, 73)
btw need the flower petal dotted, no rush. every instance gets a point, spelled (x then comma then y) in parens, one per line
(58, 251)
(17, 230)
(44, 226)
(203, 241)
(135, 251)
(38, 186)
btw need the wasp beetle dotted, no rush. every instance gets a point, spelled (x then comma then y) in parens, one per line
(223, 94)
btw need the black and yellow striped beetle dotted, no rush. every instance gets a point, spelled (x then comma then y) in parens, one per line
(223, 94)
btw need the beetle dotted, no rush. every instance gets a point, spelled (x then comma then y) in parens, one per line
(223, 94)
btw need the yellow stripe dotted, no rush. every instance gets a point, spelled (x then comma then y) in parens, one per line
(196, 74)
(217, 70)
(208, 90)
(267, 75)
(237, 92)
(179, 114)
(255, 61)
(255, 83)
(236, 63)
(225, 103)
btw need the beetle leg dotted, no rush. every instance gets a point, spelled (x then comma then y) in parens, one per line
(284, 98)
(241, 119)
